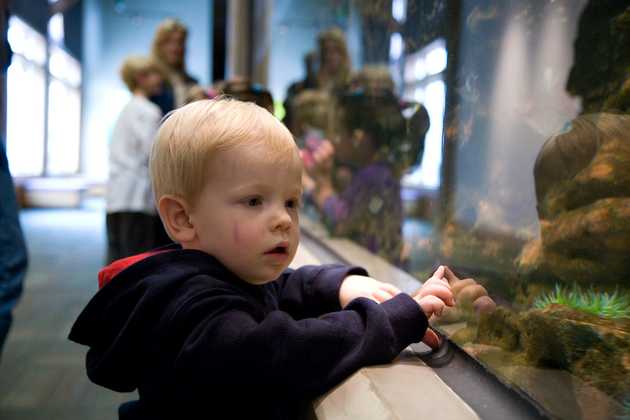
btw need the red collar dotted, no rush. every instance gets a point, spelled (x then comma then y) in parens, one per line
(109, 272)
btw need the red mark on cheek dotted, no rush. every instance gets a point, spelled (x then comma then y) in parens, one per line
(235, 234)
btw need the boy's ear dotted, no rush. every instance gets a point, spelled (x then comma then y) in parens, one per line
(174, 211)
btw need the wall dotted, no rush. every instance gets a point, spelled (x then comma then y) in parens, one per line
(113, 30)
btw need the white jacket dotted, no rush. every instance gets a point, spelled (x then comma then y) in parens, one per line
(129, 184)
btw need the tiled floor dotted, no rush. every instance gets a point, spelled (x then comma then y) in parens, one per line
(42, 374)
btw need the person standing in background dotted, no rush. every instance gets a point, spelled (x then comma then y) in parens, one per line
(335, 65)
(169, 53)
(13, 254)
(132, 222)
(331, 74)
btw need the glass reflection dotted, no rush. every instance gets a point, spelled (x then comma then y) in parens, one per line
(493, 137)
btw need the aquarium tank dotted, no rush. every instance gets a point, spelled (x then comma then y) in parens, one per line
(492, 136)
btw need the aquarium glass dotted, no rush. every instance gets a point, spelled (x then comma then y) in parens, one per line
(493, 137)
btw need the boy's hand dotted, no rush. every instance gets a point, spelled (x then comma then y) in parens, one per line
(435, 294)
(470, 295)
(472, 299)
(355, 286)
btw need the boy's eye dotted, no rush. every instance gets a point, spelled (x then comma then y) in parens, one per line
(254, 201)
(292, 204)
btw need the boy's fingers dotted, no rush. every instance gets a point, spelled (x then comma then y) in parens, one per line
(460, 285)
(484, 305)
(431, 305)
(434, 280)
(439, 273)
(432, 288)
(381, 295)
(440, 291)
(431, 339)
(471, 293)
(390, 288)
(449, 275)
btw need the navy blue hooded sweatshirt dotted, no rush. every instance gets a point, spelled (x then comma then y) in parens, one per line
(200, 343)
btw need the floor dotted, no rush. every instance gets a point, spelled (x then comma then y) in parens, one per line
(42, 374)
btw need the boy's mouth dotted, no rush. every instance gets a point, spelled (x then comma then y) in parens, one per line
(279, 249)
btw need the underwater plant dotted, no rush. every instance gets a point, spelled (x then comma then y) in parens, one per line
(625, 410)
(604, 304)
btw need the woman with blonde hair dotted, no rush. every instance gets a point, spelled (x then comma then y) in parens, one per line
(329, 70)
(334, 60)
(169, 52)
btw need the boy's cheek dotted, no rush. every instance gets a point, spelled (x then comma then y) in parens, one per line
(244, 234)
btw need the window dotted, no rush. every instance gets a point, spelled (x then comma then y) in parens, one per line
(26, 93)
(44, 102)
(64, 113)
(424, 83)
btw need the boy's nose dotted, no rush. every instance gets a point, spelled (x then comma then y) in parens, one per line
(282, 220)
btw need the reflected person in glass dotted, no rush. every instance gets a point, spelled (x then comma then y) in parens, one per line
(377, 144)
(328, 71)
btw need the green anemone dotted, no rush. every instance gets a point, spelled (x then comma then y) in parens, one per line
(604, 304)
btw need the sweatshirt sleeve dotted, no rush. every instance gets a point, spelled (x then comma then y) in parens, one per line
(305, 357)
(310, 291)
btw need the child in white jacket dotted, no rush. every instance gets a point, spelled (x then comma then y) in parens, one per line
(132, 222)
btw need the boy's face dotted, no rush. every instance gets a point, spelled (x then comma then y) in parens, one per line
(247, 214)
(150, 82)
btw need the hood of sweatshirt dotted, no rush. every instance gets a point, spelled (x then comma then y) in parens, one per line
(133, 293)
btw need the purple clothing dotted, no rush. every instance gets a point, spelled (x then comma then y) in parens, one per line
(369, 211)
(198, 342)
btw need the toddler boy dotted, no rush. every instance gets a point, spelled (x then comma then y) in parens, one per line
(216, 326)
(132, 222)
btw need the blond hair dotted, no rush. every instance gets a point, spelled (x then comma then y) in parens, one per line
(164, 30)
(191, 136)
(336, 37)
(312, 107)
(133, 66)
(196, 93)
(374, 78)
